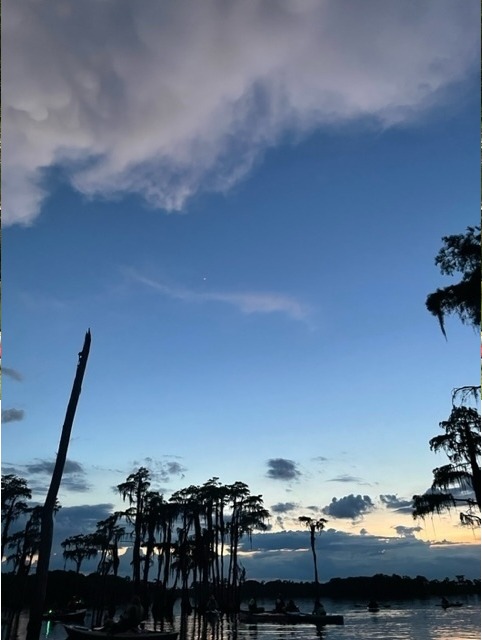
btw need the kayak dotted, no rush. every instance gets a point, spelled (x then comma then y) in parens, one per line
(84, 633)
(63, 615)
(288, 618)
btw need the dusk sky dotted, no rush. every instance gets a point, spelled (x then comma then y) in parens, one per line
(243, 201)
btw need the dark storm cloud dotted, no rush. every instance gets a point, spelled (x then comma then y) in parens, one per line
(12, 415)
(282, 469)
(352, 507)
(391, 501)
(283, 507)
(12, 373)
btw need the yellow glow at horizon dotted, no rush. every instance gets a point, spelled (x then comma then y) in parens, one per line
(383, 524)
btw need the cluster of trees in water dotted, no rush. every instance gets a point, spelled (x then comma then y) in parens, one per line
(193, 537)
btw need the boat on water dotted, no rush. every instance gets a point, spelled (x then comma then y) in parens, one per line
(84, 633)
(447, 605)
(65, 615)
(268, 617)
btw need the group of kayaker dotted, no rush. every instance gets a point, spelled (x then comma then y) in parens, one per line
(289, 607)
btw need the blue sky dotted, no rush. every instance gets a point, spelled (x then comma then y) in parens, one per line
(244, 206)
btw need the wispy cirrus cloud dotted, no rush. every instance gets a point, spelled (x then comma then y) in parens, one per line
(247, 302)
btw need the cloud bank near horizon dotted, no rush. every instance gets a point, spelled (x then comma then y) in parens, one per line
(286, 555)
(167, 100)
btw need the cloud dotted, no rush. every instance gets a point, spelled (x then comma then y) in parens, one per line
(12, 415)
(346, 478)
(73, 478)
(12, 373)
(407, 532)
(247, 302)
(169, 99)
(284, 507)
(81, 518)
(351, 506)
(391, 501)
(286, 555)
(162, 470)
(282, 469)
(47, 467)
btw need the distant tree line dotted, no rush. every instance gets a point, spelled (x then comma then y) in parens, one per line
(379, 586)
(61, 584)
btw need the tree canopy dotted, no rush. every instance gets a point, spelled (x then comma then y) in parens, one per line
(456, 484)
(460, 254)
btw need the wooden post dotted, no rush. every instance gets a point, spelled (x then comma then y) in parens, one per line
(47, 520)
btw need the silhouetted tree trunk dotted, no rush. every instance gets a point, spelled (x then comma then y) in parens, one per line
(47, 526)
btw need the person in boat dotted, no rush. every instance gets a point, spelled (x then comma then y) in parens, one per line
(279, 605)
(74, 603)
(131, 617)
(373, 604)
(291, 607)
(109, 621)
(445, 602)
(253, 606)
(318, 608)
(211, 605)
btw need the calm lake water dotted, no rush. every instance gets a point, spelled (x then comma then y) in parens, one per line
(402, 620)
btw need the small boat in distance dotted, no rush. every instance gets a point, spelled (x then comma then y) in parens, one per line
(447, 605)
(84, 633)
(373, 606)
(288, 618)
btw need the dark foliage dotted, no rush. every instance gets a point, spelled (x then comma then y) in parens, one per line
(460, 254)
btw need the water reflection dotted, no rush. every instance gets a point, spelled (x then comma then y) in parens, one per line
(404, 620)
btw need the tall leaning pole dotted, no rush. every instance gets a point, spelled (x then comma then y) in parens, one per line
(47, 519)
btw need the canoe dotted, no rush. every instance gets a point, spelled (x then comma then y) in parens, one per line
(447, 605)
(84, 633)
(63, 615)
(288, 618)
